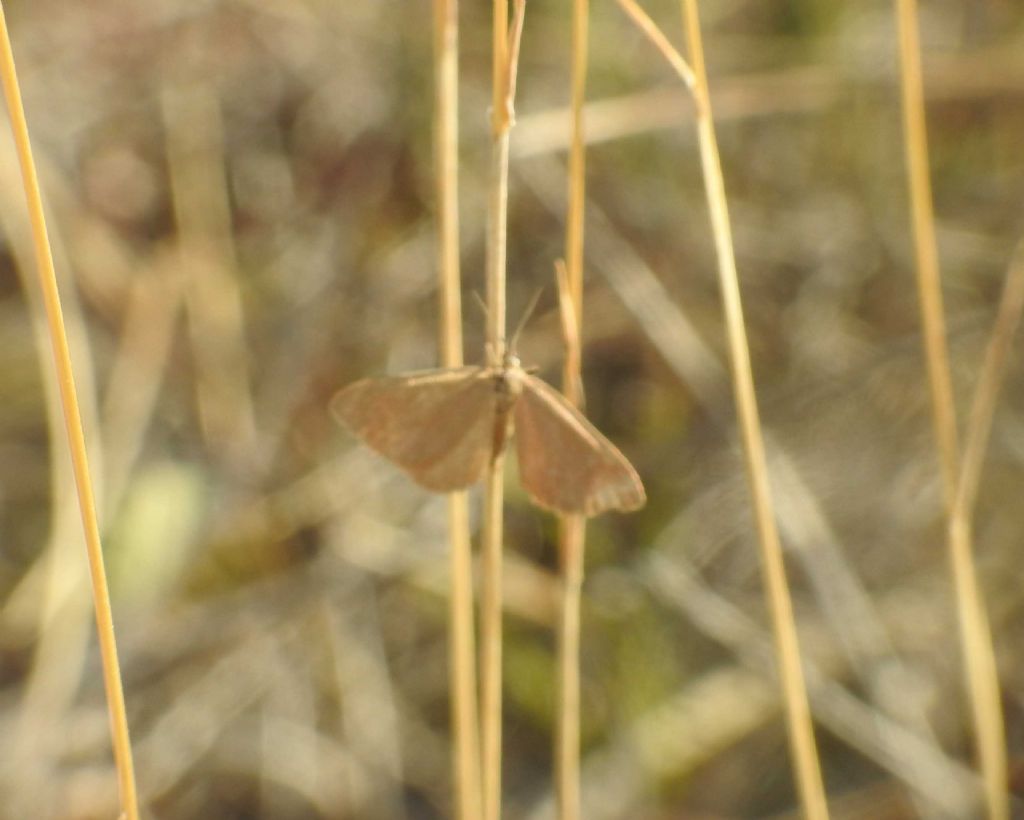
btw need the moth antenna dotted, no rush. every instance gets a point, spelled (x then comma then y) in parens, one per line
(526, 317)
(481, 304)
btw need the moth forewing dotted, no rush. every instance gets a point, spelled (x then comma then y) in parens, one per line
(565, 463)
(437, 425)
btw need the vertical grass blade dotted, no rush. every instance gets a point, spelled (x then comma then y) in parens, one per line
(73, 426)
(494, 488)
(787, 648)
(572, 529)
(976, 637)
(461, 651)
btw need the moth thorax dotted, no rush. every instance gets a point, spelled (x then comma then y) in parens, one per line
(510, 377)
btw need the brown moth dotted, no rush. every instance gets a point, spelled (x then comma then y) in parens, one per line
(443, 427)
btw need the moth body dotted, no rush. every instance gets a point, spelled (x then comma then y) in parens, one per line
(508, 385)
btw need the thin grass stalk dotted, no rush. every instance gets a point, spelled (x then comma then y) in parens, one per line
(975, 633)
(925, 247)
(494, 494)
(73, 426)
(979, 421)
(801, 730)
(572, 529)
(577, 173)
(490, 639)
(572, 534)
(462, 649)
(658, 39)
(494, 488)
(787, 649)
(208, 264)
(976, 638)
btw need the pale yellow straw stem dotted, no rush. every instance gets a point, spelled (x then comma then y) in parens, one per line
(787, 648)
(73, 426)
(505, 47)
(925, 248)
(572, 530)
(975, 634)
(976, 637)
(461, 650)
(572, 537)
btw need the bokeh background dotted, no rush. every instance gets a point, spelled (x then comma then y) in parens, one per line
(241, 202)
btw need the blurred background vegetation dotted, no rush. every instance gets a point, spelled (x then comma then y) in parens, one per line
(241, 202)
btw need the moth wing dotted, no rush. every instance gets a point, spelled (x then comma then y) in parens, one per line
(565, 463)
(436, 425)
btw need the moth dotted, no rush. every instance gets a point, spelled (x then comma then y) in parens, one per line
(444, 428)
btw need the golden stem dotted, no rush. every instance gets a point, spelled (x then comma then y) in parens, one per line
(506, 53)
(787, 648)
(572, 529)
(976, 637)
(462, 651)
(73, 427)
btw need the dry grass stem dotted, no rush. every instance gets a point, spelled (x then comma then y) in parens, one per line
(974, 77)
(490, 641)
(925, 248)
(572, 543)
(52, 599)
(446, 162)
(801, 732)
(570, 322)
(787, 647)
(73, 427)
(574, 218)
(661, 42)
(213, 300)
(462, 649)
(515, 40)
(505, 68)
(572, 528)
(572, 535)
(499, 60)
(981, 672)
(137, 373)
(979, 421)
(975, 633)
